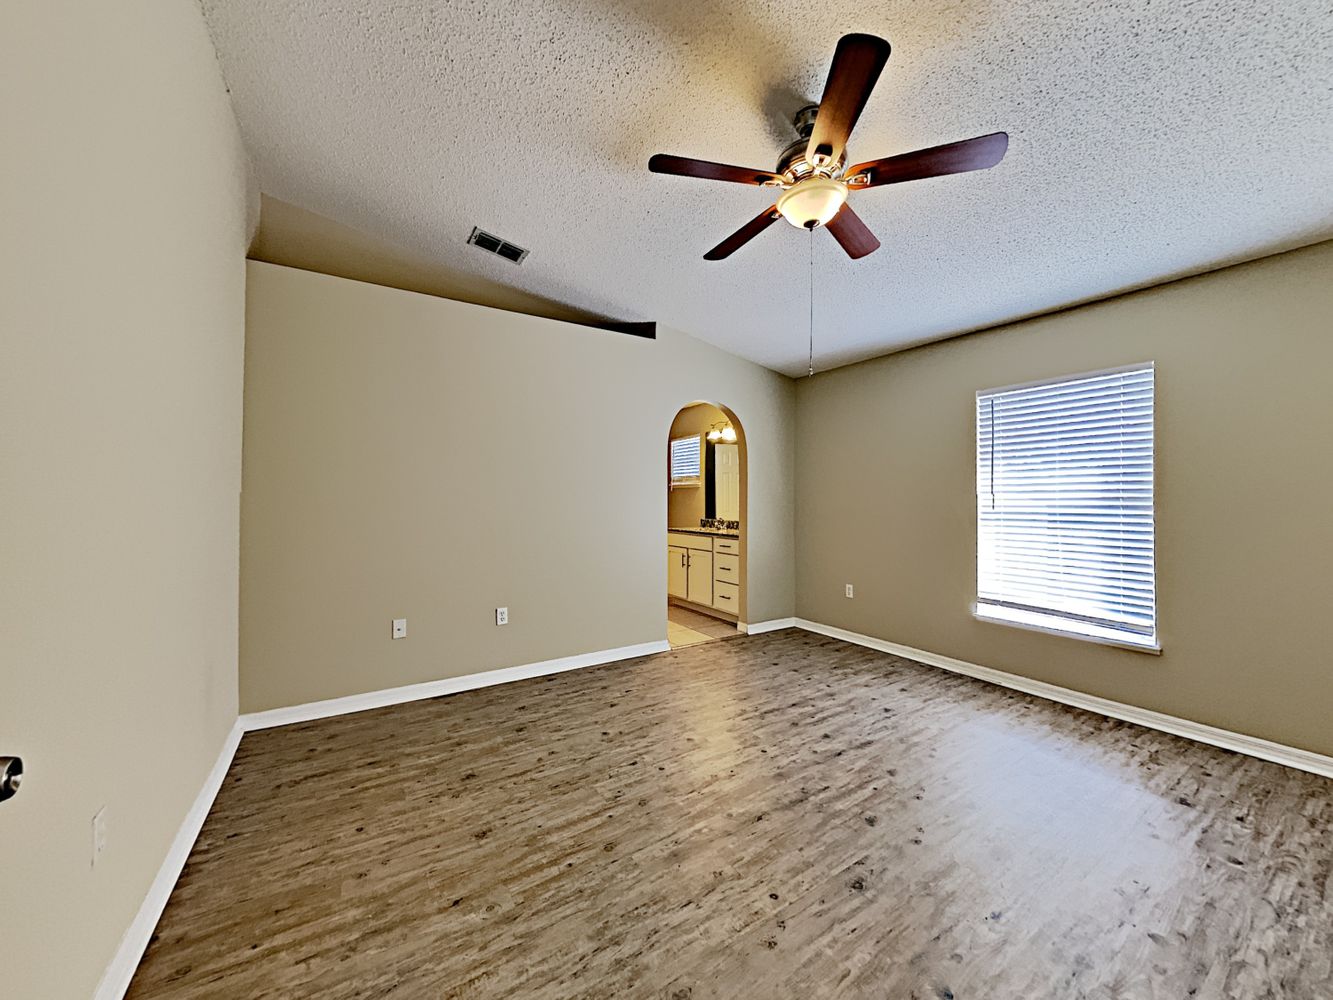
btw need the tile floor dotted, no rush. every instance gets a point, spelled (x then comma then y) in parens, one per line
(690, 628)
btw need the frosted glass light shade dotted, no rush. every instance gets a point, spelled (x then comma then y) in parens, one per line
(812, 202)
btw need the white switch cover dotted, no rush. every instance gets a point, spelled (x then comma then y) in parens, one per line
(99, 834)
(399, 628)
(502, 616)
(849, 591)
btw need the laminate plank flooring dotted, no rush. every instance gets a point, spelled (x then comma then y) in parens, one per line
(777, 816)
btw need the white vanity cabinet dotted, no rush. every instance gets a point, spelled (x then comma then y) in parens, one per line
(678, 574)
(704, 570)
(701, 577)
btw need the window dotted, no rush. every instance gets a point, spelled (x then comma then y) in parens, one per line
(685, 469)
(1065, 506)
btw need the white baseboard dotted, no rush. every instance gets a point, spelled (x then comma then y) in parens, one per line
(116, 979)
(1303, 760)
(448, 685)
(135, 941)
(758, 628)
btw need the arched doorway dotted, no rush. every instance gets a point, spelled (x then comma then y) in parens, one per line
(706, 464)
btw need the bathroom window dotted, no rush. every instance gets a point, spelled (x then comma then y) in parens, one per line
(685, 461)
(1065, 516)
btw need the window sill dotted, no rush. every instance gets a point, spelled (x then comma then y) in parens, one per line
(995, 617)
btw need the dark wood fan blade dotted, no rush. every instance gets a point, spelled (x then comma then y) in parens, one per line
(857, 63)
(853, 234)
(744, 235)
(953, 158)
(683, 166)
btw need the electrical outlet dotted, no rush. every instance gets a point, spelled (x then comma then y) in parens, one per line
(399, 629)
(849, 591)
(99, 834)
(502, 616)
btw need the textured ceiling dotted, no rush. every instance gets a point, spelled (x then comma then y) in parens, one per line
(1149, 139)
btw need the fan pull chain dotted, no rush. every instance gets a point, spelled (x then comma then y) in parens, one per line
(812, 302)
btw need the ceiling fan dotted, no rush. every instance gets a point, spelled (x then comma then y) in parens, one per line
(812, 172)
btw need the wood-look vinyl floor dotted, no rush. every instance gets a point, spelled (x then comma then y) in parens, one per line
(777, 816)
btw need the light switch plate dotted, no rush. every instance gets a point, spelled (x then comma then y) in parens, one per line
(399, 628)
(849, 591)
(502, 616)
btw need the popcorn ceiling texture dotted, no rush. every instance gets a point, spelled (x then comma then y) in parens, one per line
(1149, 139)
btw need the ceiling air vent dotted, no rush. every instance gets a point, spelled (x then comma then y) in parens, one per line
(497, 246)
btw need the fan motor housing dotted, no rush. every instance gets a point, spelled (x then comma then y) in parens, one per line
(792, 164)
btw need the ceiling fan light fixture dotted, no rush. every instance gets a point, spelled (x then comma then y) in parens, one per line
(812, 202)
(812, 170)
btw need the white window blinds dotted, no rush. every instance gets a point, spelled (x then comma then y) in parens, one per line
(1065, 506)
(685, 469)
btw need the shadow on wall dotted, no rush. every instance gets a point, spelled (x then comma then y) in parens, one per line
(295, 237)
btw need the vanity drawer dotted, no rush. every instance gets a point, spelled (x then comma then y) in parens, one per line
(690, 541)
(726, 546)
(726, 569)
(726, 597)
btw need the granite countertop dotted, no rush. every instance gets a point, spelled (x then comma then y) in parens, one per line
(715, 532)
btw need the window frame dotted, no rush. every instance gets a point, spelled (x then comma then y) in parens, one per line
(684, 482)
(1052, 622)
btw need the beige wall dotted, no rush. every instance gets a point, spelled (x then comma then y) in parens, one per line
(1244, 432)
(122, 189)
(410, 456)
(685, 506)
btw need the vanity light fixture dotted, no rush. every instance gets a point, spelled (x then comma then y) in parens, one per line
(722, 432)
